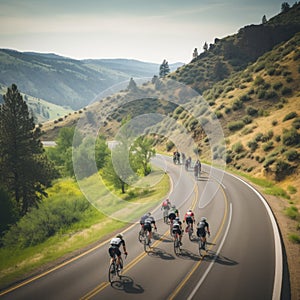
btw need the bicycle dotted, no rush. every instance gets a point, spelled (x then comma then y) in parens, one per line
(146, 241)
(141, 235)
(177, 249)
(190, 231)
(202, 245)
(166, 215)
(114, 271)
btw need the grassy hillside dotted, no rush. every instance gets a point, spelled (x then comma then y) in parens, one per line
(64, 81)
(235, 52)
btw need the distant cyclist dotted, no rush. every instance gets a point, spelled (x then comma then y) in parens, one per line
(202, 229)
(148, 223)
(166, 205)
(114, 248)
(173, 213)
(189, 218)
(177, 228)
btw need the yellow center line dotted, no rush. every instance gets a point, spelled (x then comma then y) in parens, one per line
(188, 276)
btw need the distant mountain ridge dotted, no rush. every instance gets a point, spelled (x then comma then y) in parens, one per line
(65, 81)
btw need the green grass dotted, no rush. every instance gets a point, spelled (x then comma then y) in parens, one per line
(294, 238)
(96, 226)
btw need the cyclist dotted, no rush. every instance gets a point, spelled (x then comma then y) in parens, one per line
(148, 223)
(189, 218)
(173, 213)
(202, 228)
(143, 218)
(177, 228)
(166, 205)
(114, 248)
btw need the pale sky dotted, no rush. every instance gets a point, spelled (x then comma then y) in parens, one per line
(151, 30)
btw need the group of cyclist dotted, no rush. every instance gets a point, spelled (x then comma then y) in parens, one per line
(147, 222)
(187, 162)
(189, 219)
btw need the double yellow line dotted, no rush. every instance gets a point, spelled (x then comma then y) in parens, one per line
(189, 275)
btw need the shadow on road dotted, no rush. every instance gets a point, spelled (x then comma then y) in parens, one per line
(220, 259)
(160, 253)
(126, 284)
(186, 254)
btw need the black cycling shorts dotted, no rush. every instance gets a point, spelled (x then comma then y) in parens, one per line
(114, 250)
(148, 227)
(172, 216)
(176, 230)
(201, 233)
(189, 220)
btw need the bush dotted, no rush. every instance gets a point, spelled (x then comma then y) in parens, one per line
(268, 146)
(296, 123)
(235, 125)
(253, 145)
(269, 161)
(238, 147)
(237, 104)
(250, 110)
(259, 81)
(247, 120)
(294, 237)
(277, 86)
(292, 155)
(290, 116)
(291, 137)
(169, 146)
(258, 137)
(282, 170)
(286, 91)
(292, 212)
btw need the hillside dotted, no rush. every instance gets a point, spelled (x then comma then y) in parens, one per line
(233, 53)
(64, 81)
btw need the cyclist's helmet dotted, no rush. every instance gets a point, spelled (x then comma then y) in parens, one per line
(119, 235)
(203, 219)
(190, 210)
(177, 219)
(149, 214)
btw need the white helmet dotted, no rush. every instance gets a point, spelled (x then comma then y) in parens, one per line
(203, 219)
(119, 235)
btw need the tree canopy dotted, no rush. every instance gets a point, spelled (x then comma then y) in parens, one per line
(25, 171)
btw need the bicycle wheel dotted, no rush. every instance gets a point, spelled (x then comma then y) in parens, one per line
(176, 245)
(112, 272)
(119, 270)
(146, 242)
(201, 246)
(141, 236)
(190, 233)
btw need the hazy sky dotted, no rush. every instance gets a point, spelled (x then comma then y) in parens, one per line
(150, 30)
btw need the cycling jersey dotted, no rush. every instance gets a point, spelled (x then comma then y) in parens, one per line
(115, 244)
(201, 228)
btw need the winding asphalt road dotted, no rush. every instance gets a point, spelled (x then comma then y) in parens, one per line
(244, 259)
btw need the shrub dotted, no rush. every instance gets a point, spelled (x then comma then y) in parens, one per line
(268, 146)
(253, 145)
(274, 122)
(250, 110)
(258, 137)
(269, 161)
(261, 94)
(291, 155)
(237, 104)
(292, 212)
(294, 237)
(169, 145)
(247, 120)
(259, 81)
(277, 86)
(290, 116)
(235, 125)
(245, 98)
(282, 170)
(286, 91)
(238, 147)
(291, 137)
(292, 189)
(296, 123)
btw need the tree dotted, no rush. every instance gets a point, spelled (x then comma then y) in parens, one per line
(25, 170)
(205, 47)
(264, 19)
(285, 7)
(132, 85)
(195, 53)
(164, 69)
(141, 154)
(220, 70)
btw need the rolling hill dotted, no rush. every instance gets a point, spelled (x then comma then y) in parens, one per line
(64, 81)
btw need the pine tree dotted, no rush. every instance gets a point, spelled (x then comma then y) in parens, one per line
(205, 47)
(24, 168)
(195, 53)
(264, 19)
(164, 69)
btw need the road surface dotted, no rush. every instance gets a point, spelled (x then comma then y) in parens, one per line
(244, 259)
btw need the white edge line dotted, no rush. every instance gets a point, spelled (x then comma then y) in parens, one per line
(277, 241)
(215, 258)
